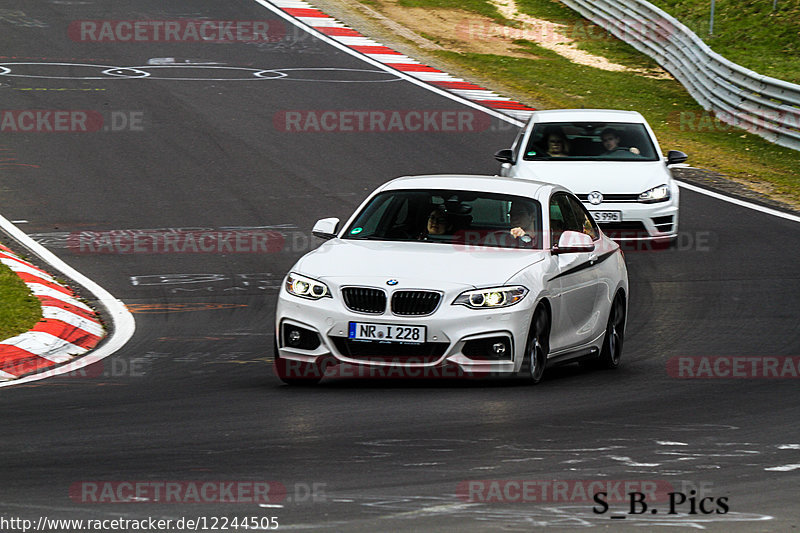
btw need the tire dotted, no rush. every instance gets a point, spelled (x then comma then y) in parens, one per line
(296, 373)
(536, 348)
(615, 334)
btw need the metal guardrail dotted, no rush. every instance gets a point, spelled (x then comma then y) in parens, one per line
(760, 104)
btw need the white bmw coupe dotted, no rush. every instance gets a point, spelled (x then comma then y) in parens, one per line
(484, 274)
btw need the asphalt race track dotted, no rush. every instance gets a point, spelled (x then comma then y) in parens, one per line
(192, 398)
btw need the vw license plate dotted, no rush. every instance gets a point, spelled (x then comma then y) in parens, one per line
(365, 331)
(607, 216)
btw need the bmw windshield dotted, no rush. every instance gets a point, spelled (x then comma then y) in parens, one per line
(450, 217)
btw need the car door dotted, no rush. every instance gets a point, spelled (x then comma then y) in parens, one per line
(605, 283)
(576, 279)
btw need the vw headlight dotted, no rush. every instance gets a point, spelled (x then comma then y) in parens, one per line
(492, 298)
(656, 194)
(306, 287)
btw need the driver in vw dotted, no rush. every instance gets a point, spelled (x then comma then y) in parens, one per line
(610, 138)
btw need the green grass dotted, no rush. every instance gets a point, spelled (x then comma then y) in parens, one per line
(19, 309)
(747, 32)
(551, 81)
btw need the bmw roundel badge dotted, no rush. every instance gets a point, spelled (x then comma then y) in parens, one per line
(392, 282)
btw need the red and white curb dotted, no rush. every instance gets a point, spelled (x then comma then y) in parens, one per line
(68, 327)
(69, 316)
(338, 32)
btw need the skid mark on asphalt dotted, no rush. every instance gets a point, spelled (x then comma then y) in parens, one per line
(627, 461)
(17, 17)
(179, 61)
(210, 282)
(665, 427)
(175, 307)
(784, 468)
(680, 462)
(55, 89)
(8, 158)
(220, 337)
(64, 239)
(524, 516)
(267, 239)
(57, 59)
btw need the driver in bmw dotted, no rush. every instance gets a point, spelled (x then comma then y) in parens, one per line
(522, 219)
(437, 223)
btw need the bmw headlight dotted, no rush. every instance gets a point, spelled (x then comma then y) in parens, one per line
(656, 194)
(492, 298)
(306, 287)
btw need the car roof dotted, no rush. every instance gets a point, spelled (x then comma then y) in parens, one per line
(469, 182)
(580, 115)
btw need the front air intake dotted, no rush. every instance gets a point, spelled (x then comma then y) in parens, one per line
(364, 299)
(415, 303)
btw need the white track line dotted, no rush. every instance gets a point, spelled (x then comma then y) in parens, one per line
(496, 114)
(737, 201)
(123, 322)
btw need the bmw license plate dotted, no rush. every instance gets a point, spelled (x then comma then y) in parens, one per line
(365, 331)
(607, 216)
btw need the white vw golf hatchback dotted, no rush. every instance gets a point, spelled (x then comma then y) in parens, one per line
(610, 159)
(484, 274)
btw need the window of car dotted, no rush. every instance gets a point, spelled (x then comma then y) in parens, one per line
(560, 217)
(584, 141)
(568, 214)
(384, 209)
(516, 146)
(584, 219)
(472, 218)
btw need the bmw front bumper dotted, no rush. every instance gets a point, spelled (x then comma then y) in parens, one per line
(477, 341)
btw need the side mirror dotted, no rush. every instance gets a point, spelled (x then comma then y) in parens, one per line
(674, 157)
(505, 156)
(326, 228)
(572, 242)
